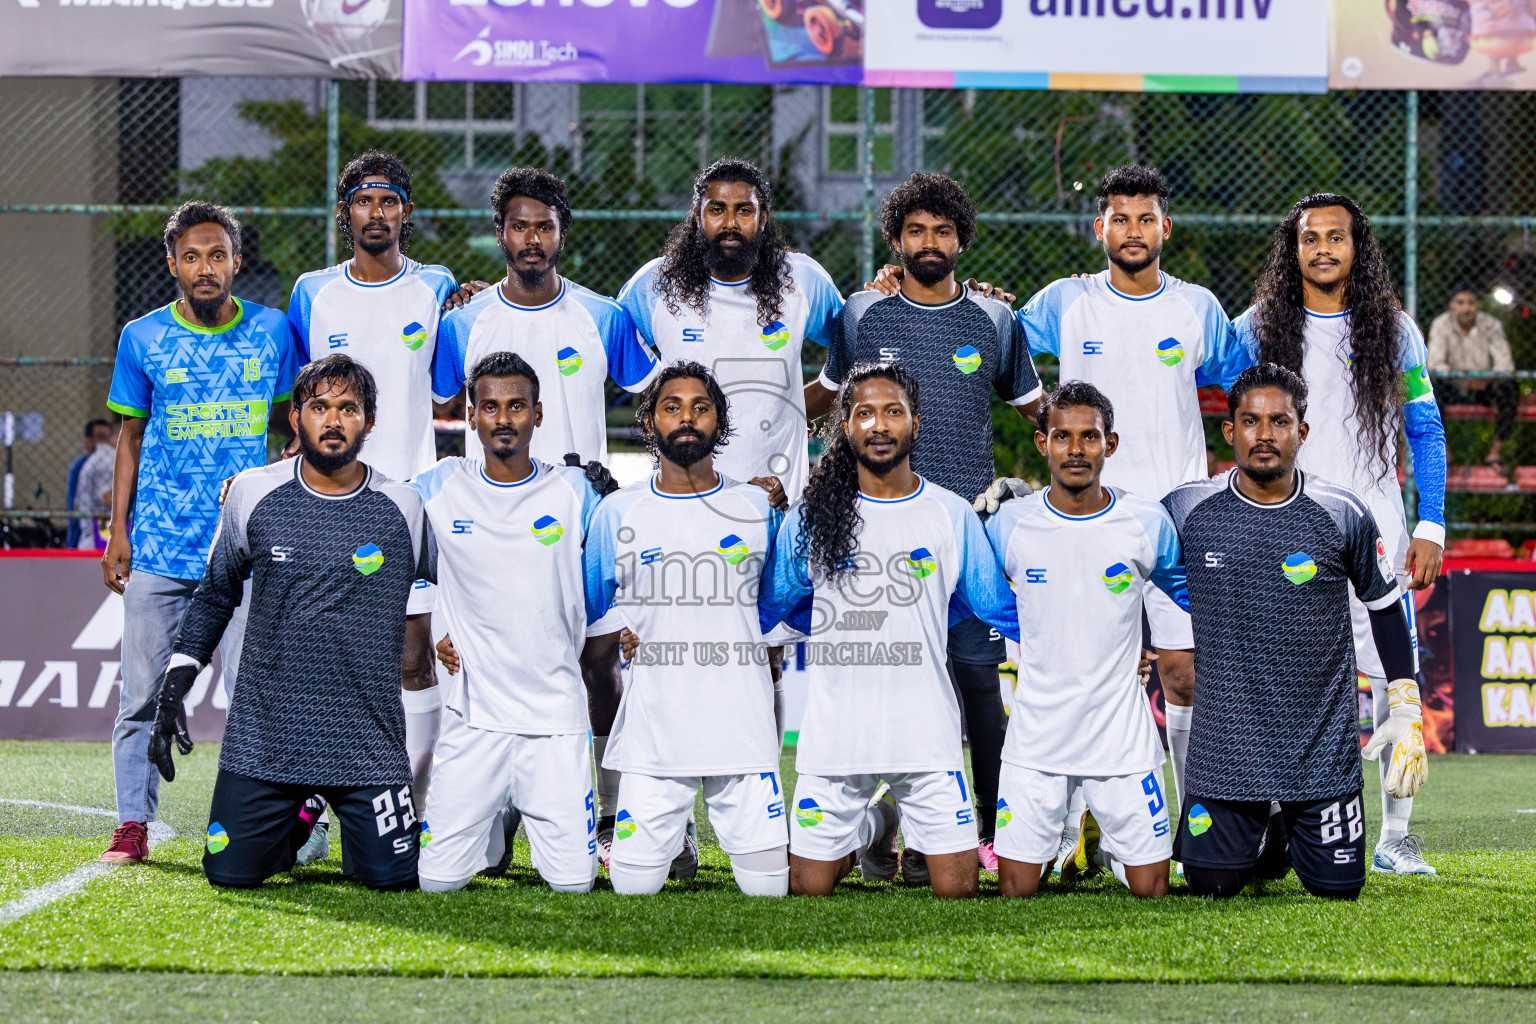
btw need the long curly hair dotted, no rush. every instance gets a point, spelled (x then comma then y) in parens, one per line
(1280, 319)
(830, 512)
(683, 279)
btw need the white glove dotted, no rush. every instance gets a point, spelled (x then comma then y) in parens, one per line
(1001, 490)
(1404, 732)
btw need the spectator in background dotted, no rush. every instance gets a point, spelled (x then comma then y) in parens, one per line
(94, 492)
(1466, 338)
(96, 432)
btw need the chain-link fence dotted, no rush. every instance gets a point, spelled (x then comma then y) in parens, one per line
(92, 167)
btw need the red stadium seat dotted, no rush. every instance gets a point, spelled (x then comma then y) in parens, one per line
(1479, 547)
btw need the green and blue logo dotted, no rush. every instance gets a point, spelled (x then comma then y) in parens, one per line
(807, 813)
(1199, 820)
(1299, 568)
(568, 360)
(1004, 813)
(775, 336)
(547, 530)
(733, 549)
(1169, 351)
(218, 839)
(920, 563)
(368, 559)
(624, 826)
(967, 359)
(414, 335)
(426, 832)
(1117, 578)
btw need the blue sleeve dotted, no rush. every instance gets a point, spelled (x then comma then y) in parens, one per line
(1041, 315)
(1246, 338)
(1421, 422)
(429, 482)
(1225, 356)
(444, 284)
(1017, 382)
(982, 589)
(298, 316)
(825, 301)
(843, 344)
(131, 392)
(598, 554)
(289, 361)
(448, 370)
(1168, 574)
(630, 362)
(785, 595)
(638, 300)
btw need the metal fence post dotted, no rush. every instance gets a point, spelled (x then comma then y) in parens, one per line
(1411, 260)
(867, 164)
(332, 162)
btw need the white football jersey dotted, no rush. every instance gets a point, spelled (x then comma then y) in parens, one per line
(684, 573)
(507, 561)
(1147, 353)
(1079, 707)
(574, 343)
(878, 695)
(391, 328)
(757, 365)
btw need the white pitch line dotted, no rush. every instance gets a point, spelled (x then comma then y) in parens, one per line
(76, 880)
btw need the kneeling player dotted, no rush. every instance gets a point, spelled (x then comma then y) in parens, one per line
(876, 548)
(681, 558)
(515, 732)
(332, 549)
(1080, 554)
(1276, 708)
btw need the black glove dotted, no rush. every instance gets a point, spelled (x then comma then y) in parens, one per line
(171, 719)
(602, 481)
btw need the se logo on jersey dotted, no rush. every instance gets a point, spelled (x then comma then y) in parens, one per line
(426, 832)
(1199, 820)
(1117, 578)
(218, 838)
(775, 336)
(1004, 813)
(368, 559)
(967, 359)
(920, 563)
(733, 549)
(624, 825)
(568, 360)
(547, 530)
(1169, 351)
(414, 336)
(807, 813)
(1299, 568)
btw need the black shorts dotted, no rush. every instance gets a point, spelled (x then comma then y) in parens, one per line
(973, 642)
(1327, 837)
(254, 831)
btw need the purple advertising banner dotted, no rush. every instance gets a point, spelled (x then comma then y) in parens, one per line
(748, 41)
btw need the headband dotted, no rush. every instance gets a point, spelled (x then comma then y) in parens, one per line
(396, 189)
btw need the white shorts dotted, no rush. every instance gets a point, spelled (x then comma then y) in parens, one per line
(746, 812)
(1130, 810)
(936, 813)
(477, 774)
(1171, 627)
(1394, 533)
(423, 598)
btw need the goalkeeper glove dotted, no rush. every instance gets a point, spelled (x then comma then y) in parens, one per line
(598, 476)
(1403, 731)
(1001, 490)
(171, 719)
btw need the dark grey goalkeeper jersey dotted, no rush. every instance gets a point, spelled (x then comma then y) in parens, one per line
(318, 702)
(1276, 708)
(960, 351)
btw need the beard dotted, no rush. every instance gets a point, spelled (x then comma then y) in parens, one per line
(376, 246)
(880, 467)
(1266, 474)
(206, 311)
(926, 271)
(324, 461)
(1154, 253)
(686, 453)
(731, 262)
(529, 279)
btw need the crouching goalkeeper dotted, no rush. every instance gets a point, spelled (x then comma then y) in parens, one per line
(332, 549)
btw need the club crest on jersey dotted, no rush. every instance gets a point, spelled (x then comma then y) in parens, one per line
(218, 838)
(1299, 568)
(414, 336)
(568, 360)
(733, 549)
(807, 813)
(426, 832)
(967, 359)
(1004, 813)
(624, 826)
(1117, 578)
(920, 563)
(775, 336)
(368, 559)
(1169, 351)
(547, 530)
(1199, 820)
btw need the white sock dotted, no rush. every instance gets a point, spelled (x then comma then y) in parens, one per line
(869, 828)
(1395, 812)
(1076, 805)
(422, 710)
(433, 885)
(607, 780)
(1178, 720)
(778, 707)
(633, 881)
(581, 887)
(765, 873)
(1115, 866)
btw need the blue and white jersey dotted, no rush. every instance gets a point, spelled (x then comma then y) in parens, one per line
(207, 393)
(685, 573)
(1079, 707)
(758, 365)
(574, 343)
(1334, 449)
(391, 328)
(879, 697)
(1147, 354)
(519, 672)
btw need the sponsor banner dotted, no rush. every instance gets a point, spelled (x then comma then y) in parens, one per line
(1112, 45)
(1493, 618)
(60, 654)
(1432, 44)
(761, 41)
(175, 38)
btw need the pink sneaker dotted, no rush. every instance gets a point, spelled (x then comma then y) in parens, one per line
(988, 857)
(130, 844)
